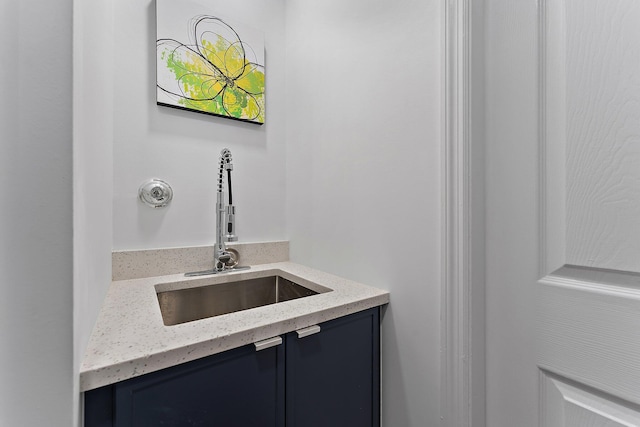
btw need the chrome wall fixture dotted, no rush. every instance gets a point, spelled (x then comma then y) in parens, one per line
(155, 193)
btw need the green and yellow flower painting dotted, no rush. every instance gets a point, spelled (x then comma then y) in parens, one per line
(208, 65)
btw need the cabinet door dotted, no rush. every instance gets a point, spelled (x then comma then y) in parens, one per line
(333, 376)
(238, 388)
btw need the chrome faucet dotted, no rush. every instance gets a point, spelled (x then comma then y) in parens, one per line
(224, 259)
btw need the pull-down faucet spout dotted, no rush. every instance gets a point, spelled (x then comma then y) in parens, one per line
(224, 259)
(221, 256)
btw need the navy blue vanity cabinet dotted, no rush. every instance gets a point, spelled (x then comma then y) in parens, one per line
(238, 388)
(326, 379)
(333, 376)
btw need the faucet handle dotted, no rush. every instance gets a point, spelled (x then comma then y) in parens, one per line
(234, 258)
(227, 259)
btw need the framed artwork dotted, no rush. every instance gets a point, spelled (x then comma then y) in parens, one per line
(208, 64)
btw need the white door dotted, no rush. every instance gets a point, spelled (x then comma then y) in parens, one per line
(563, 212)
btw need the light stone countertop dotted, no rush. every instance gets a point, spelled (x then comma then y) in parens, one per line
(130, 339)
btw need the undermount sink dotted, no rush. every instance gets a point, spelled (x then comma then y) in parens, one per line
(186, 305)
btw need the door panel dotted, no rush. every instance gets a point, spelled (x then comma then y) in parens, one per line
(238, 388)
(588, 313)
(569, 404)
(332, 377)
(603, 132)
(589, 331)
(563, 200)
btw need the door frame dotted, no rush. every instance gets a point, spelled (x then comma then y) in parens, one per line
(463, 279)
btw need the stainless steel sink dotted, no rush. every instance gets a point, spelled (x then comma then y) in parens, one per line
(186, 305)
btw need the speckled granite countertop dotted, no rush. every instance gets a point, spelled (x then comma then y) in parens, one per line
(130, 339)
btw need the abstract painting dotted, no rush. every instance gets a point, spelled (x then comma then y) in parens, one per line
(208, 64)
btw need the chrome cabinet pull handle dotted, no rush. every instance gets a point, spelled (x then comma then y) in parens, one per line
(305, 332)
(269, 342)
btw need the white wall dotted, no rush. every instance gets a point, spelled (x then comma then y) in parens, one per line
(511, 155)
(93, 68)
(478, 215)
(363, 162)
(347, 166)
(36, 372)
(183, 147)
(361, 139)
